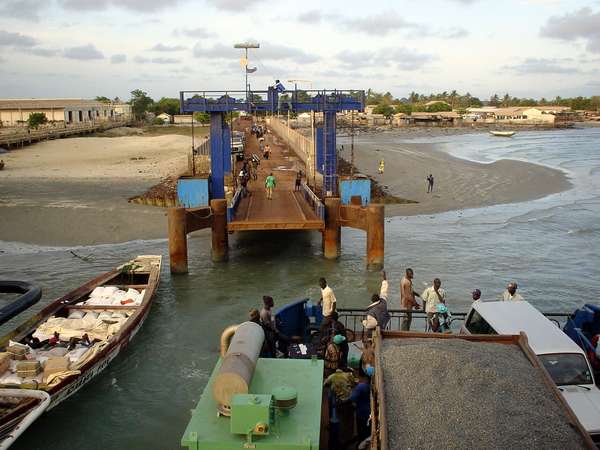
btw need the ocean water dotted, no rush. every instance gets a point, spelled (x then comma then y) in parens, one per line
(551, 247)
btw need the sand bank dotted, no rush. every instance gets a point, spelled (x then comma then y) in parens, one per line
(459, 183)
(74, 191)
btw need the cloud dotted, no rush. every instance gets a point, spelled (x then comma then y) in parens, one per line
(234, 5)
(143, 60)
(398, 57)
(193, 32)
(83, 52)
(542, 66)
(315, 16)
(379, 24)
(266, 51)
(44, 52)
(167, 48)
(465, 2)
(21, 9)
(133, 5)
(8, 38)
(581, 24)
(454, 33)
(119, 58)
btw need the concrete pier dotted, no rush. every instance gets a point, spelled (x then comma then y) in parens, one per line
(220, 240)
(178, 258)
(332, 234)
(375, 236)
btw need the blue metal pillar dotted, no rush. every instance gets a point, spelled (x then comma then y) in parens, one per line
(217, 155)
(330, 175)
(320, 153)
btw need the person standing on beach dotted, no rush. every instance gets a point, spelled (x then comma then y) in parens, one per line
(328, 301)
(510, 294)
(270, 186)
(407, 299)
(381, 166)
(430, 183)
(431, 297)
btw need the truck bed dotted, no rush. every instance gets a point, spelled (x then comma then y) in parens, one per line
(453, 392)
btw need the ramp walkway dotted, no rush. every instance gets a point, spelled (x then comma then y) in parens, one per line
(289, 209)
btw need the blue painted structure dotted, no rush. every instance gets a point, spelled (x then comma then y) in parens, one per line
(192, 192)
(297, 318)
(354, 187)
(217, 103)
(581, 327)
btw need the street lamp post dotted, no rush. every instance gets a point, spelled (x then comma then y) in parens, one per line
(246, 46)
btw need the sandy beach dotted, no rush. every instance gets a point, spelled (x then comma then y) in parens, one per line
(459, 184)
(74, 191)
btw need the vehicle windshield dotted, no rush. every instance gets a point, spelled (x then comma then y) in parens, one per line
(567, 368)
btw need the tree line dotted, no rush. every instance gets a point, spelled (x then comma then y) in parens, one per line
(388, 105)
(141, 103)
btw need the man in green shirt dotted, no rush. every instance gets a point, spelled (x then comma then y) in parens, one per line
(270, 185)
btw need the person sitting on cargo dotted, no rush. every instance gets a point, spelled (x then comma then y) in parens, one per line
(377, 311)
(333, 354)
(510, 294)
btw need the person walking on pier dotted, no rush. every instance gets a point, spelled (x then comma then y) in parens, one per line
(407, 299)
(328, 301)
(298, 181)
(270, 186)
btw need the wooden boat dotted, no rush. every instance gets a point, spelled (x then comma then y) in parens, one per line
(10, 399)
(116, 324)
(503, 133)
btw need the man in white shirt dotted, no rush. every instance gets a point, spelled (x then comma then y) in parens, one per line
(510, 294)
(432, 296)
(328, 301)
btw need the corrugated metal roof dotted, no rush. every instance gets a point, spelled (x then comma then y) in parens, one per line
(29, 103)
(512, 317)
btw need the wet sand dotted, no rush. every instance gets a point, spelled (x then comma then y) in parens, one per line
(459, 184)
(74, 191)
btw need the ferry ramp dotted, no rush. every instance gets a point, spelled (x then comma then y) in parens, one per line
(289, 209)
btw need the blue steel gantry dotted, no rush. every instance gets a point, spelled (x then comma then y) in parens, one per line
(218, 103)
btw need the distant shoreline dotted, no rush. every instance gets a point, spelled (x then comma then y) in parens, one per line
(76, 190)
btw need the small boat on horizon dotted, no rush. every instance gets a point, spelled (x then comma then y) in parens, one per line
(74, 338)
(502, 133)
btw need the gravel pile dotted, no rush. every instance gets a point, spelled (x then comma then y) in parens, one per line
(456, 394)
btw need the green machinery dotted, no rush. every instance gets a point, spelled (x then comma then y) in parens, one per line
(252, 402)
(281, 411)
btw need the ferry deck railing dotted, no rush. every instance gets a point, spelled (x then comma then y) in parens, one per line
(315, 203)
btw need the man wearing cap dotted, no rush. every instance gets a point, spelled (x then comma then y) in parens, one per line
(510, 294)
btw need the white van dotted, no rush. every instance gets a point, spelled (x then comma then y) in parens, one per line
(564, 360)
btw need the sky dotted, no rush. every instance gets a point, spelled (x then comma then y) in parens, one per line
(88, 48)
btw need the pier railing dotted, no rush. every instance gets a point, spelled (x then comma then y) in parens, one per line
(352, 319)
(303, 146)
(21, 136)
(315, 203)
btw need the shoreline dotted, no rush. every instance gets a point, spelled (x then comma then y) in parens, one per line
(76, 191)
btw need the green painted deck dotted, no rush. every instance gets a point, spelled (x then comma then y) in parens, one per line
(298, 429)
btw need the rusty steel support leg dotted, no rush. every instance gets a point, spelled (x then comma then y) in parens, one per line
(375, 236)
(177, 240)
(220, 242)
(332, 234)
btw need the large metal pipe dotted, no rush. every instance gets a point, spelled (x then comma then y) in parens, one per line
(226, 336)
(237, 366)
(220, 241)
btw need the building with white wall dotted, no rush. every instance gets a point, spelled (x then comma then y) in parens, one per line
(16, 112)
